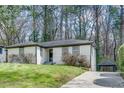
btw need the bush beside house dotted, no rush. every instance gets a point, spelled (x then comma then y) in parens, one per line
(75, 60)
(27, 59)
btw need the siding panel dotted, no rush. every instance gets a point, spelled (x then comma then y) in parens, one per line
(85, 50)
(57, 55)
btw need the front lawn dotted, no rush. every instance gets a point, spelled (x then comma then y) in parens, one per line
(36, 76)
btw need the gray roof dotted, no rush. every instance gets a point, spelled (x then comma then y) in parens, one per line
(57, 43)
(107, 63)
(2, 46)
(70, 42)
(23, 45)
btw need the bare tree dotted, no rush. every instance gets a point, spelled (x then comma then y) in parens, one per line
(97, 11)
(121, 24)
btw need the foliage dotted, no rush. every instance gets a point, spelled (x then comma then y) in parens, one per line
(75, 60)
(27, 58)
(83, 61)
(121, 58)
(70, 59)
(36, 76)
(8, 16)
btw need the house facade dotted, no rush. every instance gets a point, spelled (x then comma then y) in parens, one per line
(2, 53)
(53, 51)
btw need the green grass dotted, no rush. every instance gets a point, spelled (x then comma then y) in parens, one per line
(36, 76)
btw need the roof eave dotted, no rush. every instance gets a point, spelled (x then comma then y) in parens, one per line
(66, 45)
(22, 46)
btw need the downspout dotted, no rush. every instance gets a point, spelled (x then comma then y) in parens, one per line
(36, 54)
(6, 55)
(90, 57)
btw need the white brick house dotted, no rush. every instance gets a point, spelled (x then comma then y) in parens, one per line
(53, 51)
(2, 53)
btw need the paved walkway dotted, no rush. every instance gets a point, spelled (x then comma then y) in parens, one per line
(96, 80)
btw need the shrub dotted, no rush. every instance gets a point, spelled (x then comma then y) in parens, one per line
(14, 58)
(75, 60)
(83, 61)
(69, 59)
(27, 58)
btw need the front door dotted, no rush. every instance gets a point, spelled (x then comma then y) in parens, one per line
(50, 55)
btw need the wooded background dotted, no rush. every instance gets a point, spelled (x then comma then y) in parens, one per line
(103, 24)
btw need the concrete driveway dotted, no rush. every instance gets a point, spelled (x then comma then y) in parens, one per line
(96, 80)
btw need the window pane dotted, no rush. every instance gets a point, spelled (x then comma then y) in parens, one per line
(21, 51)
(64, 50)
(75, 50)
(41, 52)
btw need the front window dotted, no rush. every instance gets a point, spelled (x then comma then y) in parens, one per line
(41, 52)
(65, 51)
(21, 51)
(75, 50)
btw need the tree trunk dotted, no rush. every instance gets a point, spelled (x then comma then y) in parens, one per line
(107, 34)
(96, 8)
(34, 23)
(80, 23)
(122, 25)
(115, 45)
(45, 23)
(66, 24)
(61, 23)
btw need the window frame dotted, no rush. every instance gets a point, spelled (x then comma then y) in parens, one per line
(21, 51)
(76, 50)
(63, 50)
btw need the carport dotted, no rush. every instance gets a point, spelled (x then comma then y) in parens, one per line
(107, 65)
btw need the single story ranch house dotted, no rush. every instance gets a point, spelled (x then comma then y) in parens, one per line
(51, 51)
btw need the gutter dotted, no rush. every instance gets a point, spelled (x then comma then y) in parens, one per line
(90, 56)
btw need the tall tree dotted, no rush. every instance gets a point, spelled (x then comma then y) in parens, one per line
(33, 15)
(66, 13)
(121, 24)
(34, 23)
(61, 22)
(97, 30)
(8, 16)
